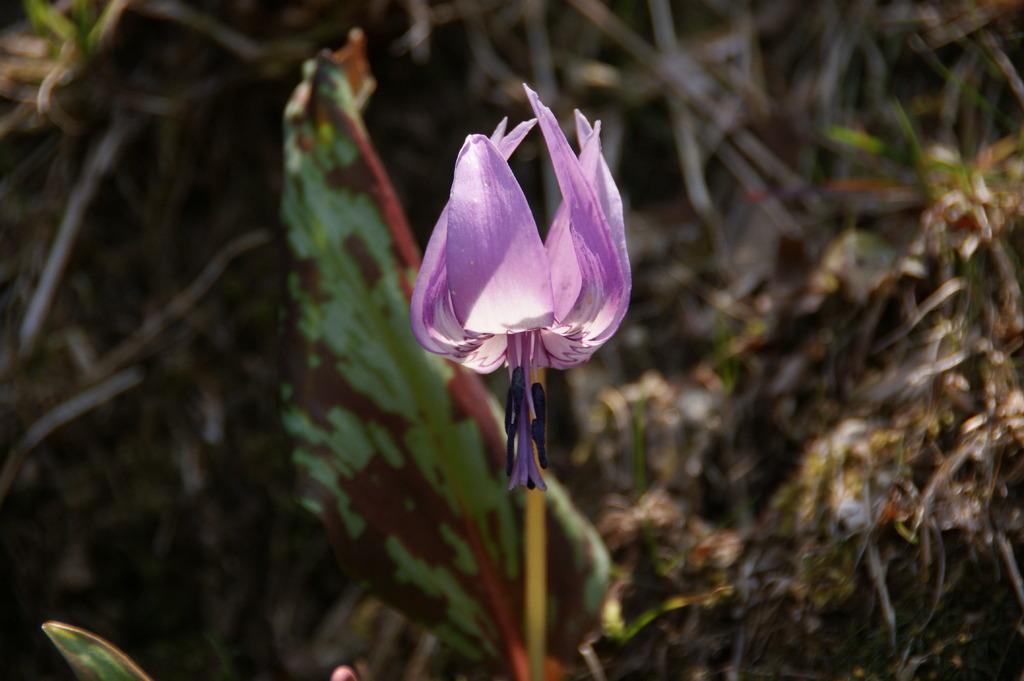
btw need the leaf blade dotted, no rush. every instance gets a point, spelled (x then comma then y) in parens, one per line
(91, 657)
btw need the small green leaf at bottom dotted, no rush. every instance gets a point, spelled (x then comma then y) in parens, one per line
(90, 657)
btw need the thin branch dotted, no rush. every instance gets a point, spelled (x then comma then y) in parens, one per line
(877, 571)
(240, 45)
(101, 158)
(63, 413)
(1006, 551)
(544, 75)
(1004, 64)
(130, 348)
(593, 662)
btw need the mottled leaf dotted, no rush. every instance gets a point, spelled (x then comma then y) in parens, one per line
(90, 657)
(399, 451)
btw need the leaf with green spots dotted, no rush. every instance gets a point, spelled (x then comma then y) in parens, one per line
(90, 657)
(400, 452)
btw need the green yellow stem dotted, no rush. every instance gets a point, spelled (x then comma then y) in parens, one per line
(536, 584)
(535, 619)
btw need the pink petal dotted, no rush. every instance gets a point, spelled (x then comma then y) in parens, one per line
(344, 674)
(595, 310)
(566, 278)
(595, 168)
(563, 352)
(433, 321)
(488, 355)
(498, 274)
(506, 144)
(432, 317)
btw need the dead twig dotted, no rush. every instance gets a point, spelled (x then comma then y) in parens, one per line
(133, 346)
(593, 662)
(544, 73)
(937, 298)
(941, 476)
(877, 572)
(231, 40)
(483, 52)
(689, 149)
(688, 145)
(416, 668)
(390, 628)
(416, 40)
(1006, 66)
(1006, 551)
(100, 160)
(906, 661)
(686, 92)
(63, 413)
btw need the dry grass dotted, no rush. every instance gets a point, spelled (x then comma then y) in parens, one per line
(803, 448)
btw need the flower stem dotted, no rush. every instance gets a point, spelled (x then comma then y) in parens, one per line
(535, 621)
(536, 583)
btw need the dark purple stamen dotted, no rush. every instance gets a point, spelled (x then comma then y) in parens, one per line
(537, 427)
(516, 391)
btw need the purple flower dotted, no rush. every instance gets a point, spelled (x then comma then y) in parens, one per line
(491, 292)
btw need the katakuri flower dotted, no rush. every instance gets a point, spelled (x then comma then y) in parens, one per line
(491, 292)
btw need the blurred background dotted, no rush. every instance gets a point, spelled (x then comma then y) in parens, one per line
(803, 448)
